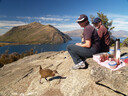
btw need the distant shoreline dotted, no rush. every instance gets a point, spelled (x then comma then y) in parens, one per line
(3, 43)
(121, 36)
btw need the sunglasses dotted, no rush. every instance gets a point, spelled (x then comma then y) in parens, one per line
(82, 21)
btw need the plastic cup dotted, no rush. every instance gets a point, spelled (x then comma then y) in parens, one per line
(111, 51)
(112, 64)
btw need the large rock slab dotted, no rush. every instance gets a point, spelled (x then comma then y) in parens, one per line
(21, 78)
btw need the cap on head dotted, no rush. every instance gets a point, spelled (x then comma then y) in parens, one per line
(96, 20)
(81, 18)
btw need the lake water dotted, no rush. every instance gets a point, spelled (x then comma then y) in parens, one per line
(42, 47)
(39, 47)
(122, 39)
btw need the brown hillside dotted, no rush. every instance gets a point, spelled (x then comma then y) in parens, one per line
(35, 33)
(74, 33)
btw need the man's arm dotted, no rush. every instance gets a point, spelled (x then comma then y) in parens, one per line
(87, 43)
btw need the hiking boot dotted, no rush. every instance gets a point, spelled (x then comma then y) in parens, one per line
(79, 65)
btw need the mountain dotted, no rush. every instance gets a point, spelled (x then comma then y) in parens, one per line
(74, 33)
(120, 33)
(35, 33)
(78, 32)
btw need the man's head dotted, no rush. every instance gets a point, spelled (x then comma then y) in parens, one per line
(82, 20)
(97, 22)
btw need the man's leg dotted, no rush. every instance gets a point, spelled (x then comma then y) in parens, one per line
(72, 49)
(79, 53)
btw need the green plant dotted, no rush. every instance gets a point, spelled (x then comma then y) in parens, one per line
(9, 58)
(105, 21)
(125, 43)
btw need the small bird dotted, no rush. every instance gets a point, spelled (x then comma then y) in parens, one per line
(46, 73)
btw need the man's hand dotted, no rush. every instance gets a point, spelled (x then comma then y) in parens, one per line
(78, 44)
(87, 44)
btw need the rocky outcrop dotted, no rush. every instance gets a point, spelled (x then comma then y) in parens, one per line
(21, 78)
(35, 33)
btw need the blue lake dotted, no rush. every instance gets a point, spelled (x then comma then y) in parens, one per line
(122, 39)
(42, 47)
(39, 47)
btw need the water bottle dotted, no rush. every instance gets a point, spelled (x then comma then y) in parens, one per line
(117, 51)
(117, 44)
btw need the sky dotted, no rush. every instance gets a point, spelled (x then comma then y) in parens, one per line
(60, 13)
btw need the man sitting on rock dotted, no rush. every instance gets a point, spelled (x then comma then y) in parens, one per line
(103, 34)
(91, 44)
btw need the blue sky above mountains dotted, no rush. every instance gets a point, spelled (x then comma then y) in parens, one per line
(60, 13)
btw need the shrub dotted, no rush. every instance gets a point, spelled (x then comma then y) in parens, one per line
(9, 58)
(14, 57)
(125, 43)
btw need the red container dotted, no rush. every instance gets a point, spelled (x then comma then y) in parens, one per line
(126, 61)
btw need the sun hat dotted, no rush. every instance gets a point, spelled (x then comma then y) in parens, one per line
(81, 18)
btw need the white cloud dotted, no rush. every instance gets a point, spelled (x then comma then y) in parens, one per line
(55, 18)
(2, 31)
(58, 16)
(72, 25)
(26, 17)
(7, 25)
(64, 27)
(119, 21)
(63, 23)
(67, 27)
(47, 18)
(117, 16)
(50, 19)
(11, 23)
